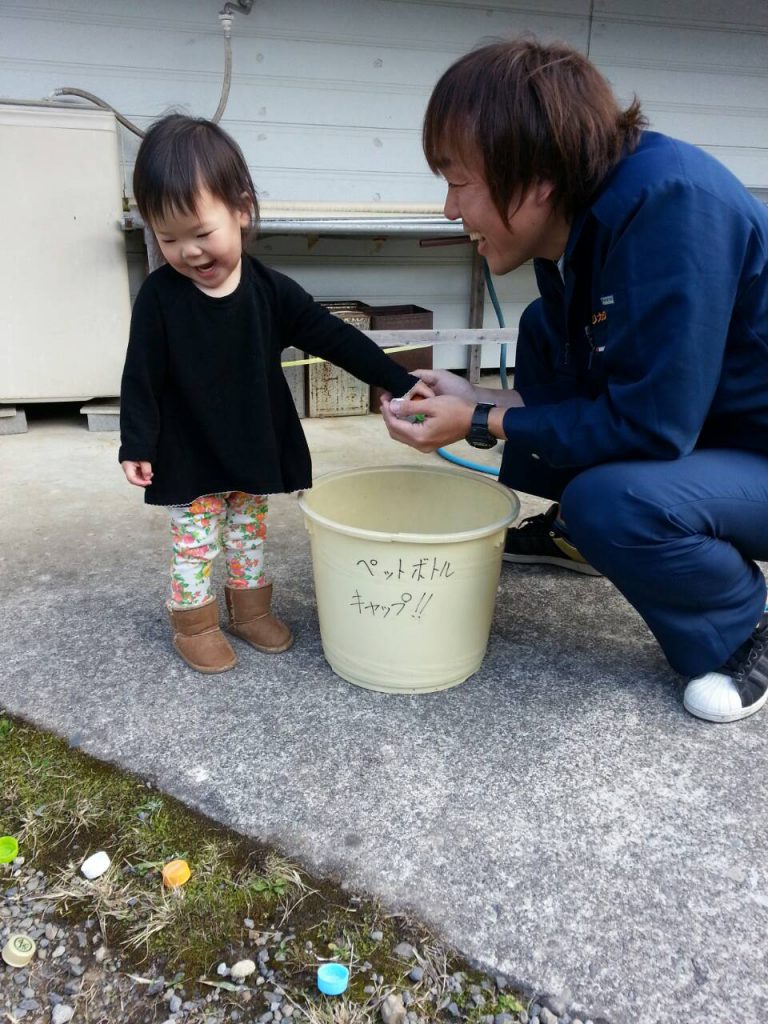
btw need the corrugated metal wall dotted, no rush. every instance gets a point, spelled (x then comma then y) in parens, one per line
(701, 69)
(327, 98)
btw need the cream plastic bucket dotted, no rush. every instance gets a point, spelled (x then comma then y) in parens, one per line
(406, 562)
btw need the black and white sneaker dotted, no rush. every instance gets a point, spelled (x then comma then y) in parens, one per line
(537, 540)
(739, 688)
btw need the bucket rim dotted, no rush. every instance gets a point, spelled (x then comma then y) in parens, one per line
(386, 536)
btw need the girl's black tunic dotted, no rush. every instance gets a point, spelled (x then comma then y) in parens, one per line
(203, 395)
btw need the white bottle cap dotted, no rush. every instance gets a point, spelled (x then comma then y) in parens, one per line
(18, 950)
(95, 865)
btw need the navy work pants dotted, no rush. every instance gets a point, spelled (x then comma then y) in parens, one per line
(679, 538)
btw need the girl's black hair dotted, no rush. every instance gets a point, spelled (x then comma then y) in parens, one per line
(181, 155)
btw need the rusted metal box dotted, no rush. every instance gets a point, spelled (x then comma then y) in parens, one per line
(402, 318)
(330, 390)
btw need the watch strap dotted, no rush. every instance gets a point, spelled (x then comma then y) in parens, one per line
(480, 415)
(479, 435)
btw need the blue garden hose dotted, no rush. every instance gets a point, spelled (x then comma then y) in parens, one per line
(458, 461)
(443, 452)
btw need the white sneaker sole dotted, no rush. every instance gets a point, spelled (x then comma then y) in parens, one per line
(563, 563)
(722, 717)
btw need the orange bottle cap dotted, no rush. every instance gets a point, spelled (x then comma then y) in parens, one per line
(175, 873)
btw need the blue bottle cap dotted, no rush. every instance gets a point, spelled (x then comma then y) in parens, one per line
(332, 979)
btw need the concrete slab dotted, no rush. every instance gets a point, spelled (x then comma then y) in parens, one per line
(102, 414)
(12, 420)
(558, 817)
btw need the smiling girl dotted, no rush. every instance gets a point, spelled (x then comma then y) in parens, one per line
(208, 425)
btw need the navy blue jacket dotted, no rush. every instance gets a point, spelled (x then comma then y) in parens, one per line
(659, 333)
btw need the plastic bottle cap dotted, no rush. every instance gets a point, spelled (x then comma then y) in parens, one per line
(18, 950)
(9, 849)
(332, 979)
(95, 865)
(176, 873)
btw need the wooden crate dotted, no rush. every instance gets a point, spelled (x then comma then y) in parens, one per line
(330, 390)
(402, 318)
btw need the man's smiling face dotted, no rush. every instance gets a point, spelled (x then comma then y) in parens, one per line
(531, 229)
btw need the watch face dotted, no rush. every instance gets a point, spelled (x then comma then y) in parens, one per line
(481, 440)
(479, 435)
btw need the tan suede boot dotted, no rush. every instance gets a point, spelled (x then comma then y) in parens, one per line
(251, 619)
(199, 640)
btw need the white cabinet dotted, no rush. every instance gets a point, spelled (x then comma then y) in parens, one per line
(64, 300)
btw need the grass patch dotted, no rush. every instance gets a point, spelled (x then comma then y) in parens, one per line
(243, 898)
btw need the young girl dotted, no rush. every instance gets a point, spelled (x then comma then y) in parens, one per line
(208, 425)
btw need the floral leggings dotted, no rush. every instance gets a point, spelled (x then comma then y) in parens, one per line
(235, 521)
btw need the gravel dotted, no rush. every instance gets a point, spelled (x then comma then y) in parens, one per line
(74, 976)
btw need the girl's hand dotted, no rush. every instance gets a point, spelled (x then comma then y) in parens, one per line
(419, 390)
(443, 382)
(138, 473)
(447, 418)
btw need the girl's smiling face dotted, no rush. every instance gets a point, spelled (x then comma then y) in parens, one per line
(206, 245)
(532, 227)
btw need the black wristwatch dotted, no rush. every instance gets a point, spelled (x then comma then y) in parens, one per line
(479, 435)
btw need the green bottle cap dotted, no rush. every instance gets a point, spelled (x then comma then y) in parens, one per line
(9, 849)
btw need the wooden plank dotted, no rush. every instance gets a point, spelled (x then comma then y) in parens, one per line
(476, 311)
(445, 336)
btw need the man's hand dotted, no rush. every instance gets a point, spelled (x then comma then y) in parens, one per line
(443, 382)
(447, 418)
(138, 473)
